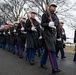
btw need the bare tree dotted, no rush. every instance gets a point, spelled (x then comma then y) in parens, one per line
(65, 10)
(12, 8)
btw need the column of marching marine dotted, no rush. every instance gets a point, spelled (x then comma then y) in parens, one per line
(15, 36)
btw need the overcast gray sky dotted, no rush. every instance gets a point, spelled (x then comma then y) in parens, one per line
(69, 31)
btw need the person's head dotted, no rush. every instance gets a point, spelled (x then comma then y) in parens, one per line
(61, 24)
(33, 14)
(52, 7)
(23, 19)
(5, 27)
(16, 23)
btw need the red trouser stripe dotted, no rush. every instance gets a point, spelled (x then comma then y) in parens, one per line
(51, 59)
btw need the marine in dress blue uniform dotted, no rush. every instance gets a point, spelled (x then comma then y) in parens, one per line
(32, 37)
(61, 46)
(49, 38)
(21, 36)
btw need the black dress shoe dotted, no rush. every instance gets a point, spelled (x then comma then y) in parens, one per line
(56, 71)
(74, 60)
(0, 46)
(17, 53)
(27, 59)
(8, 50)
(39, 55)
(4, 48)
(14, 52)
(63, 57)
(35, 53)
(20, 56)
(57, 56)
(31, 63)
(43, 66)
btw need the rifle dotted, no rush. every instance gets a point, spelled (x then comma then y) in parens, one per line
(20, 22)
(29, 18)
(47, 9)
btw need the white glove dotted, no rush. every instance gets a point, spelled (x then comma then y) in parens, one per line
(63, 33)
(14, 30)
(64, 41)
(51, 24)
(4, 33)
(59, 39)
(22, 28)
(33, 29)
(40, 37)
(24, 32)
(9, 32)
(54, 27)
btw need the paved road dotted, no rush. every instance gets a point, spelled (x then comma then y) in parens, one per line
(12, 65)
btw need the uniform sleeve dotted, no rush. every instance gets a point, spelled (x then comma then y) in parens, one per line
(64, 35)
(58, 31)
(39, 29)
(28, 26)
(57, 24)
(19, 28)
(45, 21)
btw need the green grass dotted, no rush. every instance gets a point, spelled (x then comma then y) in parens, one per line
(69, 49)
